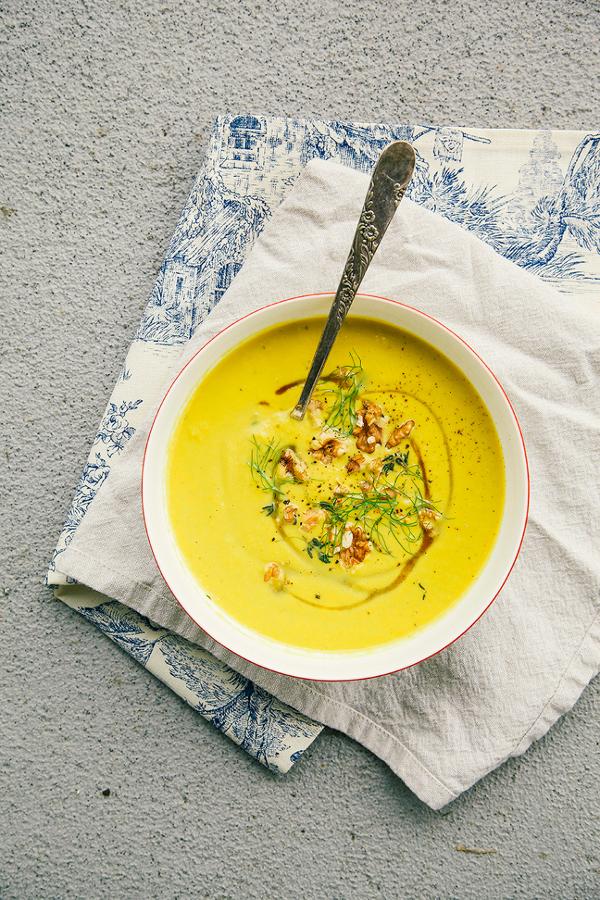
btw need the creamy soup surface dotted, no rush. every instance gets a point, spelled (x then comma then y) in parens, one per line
(356, 526)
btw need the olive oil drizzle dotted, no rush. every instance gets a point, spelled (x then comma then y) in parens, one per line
(334, 377)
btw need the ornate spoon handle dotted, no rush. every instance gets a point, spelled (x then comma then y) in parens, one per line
(390, 178)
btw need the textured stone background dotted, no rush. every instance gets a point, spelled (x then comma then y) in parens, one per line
(105, 112)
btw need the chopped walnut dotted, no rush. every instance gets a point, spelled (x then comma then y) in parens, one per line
(327, 447)
(311, 518)
(375, 466)
(293, 465)
(428, 518)
(355, 546)
(341, 489)
(400, 433)
(355, 463)
(315, 408)
(347, 539)
(289, 512)
(342, 376)
(274, 573)
(372, 473)
(368, 432)
(371, 413)
(368, 442)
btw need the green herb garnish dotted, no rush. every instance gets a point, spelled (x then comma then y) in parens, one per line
(312, 544)
(400, 459)
(394, 459)
(387, 513)
(349, 382)
(264, 459)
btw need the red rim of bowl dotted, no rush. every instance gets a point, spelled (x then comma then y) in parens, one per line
(510, 406)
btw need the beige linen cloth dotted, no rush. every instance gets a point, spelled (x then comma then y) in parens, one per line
(445, 723)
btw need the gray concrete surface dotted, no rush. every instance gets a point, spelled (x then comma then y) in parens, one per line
(105, 109)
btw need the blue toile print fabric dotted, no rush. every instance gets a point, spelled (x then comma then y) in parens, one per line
(534, 197)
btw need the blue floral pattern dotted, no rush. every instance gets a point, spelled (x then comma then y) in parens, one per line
(263, 726)
(535, 201)
(115, 429)
(132, 632)
(223, 217)
(212, 237)
(114, 432)
(92, 478)
(267, 729)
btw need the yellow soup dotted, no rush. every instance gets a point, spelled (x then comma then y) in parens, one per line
(356, 526)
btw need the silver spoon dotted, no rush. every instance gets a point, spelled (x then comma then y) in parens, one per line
(389, 180)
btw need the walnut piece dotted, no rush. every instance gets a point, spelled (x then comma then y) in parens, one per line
(289, 513)
(375, 467)
(327, 447)
(311, 518)
(371, 413)
(315, 410)
(355, 546)
(428, 518)
(293, 465)
(368, 432)
(355, 463)
(274, 573)
(340, 490)
(400, 433)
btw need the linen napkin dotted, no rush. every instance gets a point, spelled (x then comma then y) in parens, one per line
(531, 195)
(445, 723)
